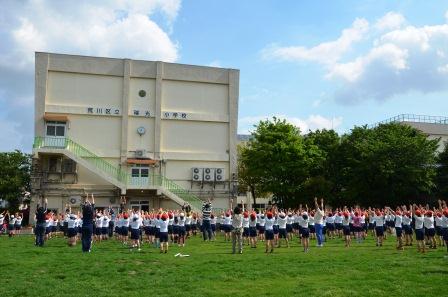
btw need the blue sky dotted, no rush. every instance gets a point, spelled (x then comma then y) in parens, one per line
(319, 64)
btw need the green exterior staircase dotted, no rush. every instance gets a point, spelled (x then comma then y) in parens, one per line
(114, 174)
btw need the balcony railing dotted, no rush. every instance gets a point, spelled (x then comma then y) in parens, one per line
(414, 118)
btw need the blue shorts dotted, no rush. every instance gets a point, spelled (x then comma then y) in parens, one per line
(398, 231)
(379, 231)
(147, 230)
(187, 228)
(330, 227)
(261, 230)
(338, 226)
(312, 229)
(135, 234)
(407, 229)
(289, 228)
(445, 234)
(269, 234)
(253, 231)
(305, 233)
(175, 229)
(213, 227)
(71, 232)
(275, 228)
(182, 231)
(170, 229)
(124, 231)
(346, 230)
(419, 234)
(282, 233)
(439, 231)
(104, 230)
(430, 232)
(97, 231)
(246, 232)
(163, 236)
(17, 227)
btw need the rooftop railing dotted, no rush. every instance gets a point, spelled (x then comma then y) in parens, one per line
(414, 118)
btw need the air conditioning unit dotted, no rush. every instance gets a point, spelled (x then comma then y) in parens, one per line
(197, 174)
(219, 174)
(74, 200)
(140, 153)
(209, 174)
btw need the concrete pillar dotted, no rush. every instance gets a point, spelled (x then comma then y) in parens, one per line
(158, 112)
(40, 92)
(125, 111)
(233, 121)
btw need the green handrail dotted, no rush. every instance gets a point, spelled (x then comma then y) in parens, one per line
(113, 171)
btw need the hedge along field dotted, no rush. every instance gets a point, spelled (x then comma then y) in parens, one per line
(211, 270)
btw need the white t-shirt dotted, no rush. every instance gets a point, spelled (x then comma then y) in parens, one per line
(398, 221)
(105, 222)
(136, 222)
(227, 220)
(338, 219)
(429, 222)
(12, 221)
(418, 222)
(99, 222)
(379, 220)
(444, 222)
(19, 221)
(290, 220)
(163, 226)
(319, 216)
(282, 222)
(253, 223)
(269, 223)
(346, 221)
(245, 222)
(262, 221)
(303, 222)
(181, 222)
(72, 222)
(438, 221)
(406, 220)
(330, 220)
(125, 222)
(188, 221)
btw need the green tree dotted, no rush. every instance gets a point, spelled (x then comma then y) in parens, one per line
(279, 159)
(246, 181)
(442, 173)
(14, 176)
(325, 177)
(390, 164)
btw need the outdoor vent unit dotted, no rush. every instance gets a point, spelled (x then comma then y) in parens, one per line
(197, 174)
(209, 174)
(74, 200)
(219, 174)
(140, 153)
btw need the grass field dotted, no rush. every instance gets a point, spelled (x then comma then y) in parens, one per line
(211, 270)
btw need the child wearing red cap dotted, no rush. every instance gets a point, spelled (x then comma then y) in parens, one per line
(246, 231)
(163, 235)
(227, 226)
(379, 227)
(253, 230)
(398, 227)
(438, 224)
(282, 220)
(419, 231)
(346, 228)
(430, 231)
(304, 231)
(269, 231)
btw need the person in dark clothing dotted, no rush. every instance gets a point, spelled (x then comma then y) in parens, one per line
(41, 212)
(88, 211)
(112, 221)
(206, 217)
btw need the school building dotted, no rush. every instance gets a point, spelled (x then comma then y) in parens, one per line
(434, 127)
(161, 134)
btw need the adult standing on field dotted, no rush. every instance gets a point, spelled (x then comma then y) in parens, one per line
(40, 223)
(206, 217)
(319, 221)
(88, 210)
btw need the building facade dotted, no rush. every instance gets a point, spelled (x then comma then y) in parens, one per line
(160, 134)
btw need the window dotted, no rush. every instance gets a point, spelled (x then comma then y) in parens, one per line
(55, 129)
(139, 171)
(53, 164)
(68, 166)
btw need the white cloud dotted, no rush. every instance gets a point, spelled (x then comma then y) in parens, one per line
(390, 20)
(313, 122)
(398, 59)
(119, 29)
(115, 28)
(326, 52)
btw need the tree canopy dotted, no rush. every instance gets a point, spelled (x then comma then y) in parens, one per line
(14, 176)
(389, 164)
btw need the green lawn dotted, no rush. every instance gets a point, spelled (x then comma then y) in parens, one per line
(112, 270)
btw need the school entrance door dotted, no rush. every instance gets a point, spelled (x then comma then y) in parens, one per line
(140, 205)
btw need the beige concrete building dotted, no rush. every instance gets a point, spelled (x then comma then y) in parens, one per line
(159, 133)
